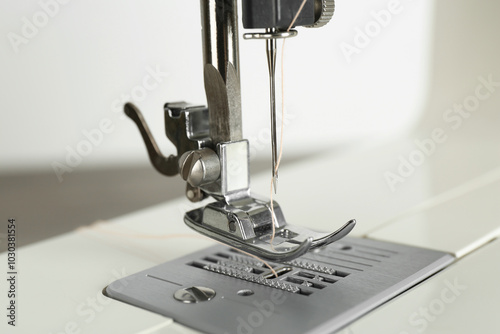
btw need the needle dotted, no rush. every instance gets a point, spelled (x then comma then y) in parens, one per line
(271, 61)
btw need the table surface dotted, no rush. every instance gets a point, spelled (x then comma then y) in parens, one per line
(60, 279)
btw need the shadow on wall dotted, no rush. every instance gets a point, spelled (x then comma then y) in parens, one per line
(44, 207)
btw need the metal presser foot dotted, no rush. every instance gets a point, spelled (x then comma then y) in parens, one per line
(247, 226)
(235, 217)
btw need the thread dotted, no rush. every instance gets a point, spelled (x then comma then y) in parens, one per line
(96, 226)
(282, 120)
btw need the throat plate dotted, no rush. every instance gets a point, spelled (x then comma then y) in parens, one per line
(320, 292)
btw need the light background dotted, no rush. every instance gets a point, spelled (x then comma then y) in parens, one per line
(74, 71)
(72, 74)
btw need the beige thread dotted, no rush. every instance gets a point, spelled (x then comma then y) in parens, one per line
(282, 120)
(96, 226)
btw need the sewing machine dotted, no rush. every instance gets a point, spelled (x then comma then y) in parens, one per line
(422, 258)
(261, 253)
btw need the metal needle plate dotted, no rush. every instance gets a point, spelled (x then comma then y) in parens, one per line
(320, 292)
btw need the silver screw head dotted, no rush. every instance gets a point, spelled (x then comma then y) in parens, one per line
(194, 294)
(199, 167)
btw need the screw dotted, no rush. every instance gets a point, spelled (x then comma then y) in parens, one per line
(195, 294)
(232, 225)
(199, 167)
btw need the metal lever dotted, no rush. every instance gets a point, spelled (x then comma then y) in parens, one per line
(186, 127)
(167, 166)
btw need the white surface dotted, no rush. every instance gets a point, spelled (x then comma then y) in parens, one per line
(57, 276)
(90, 66)
(457, 226)
(471, 306)
(60, 280)
(76, 70)
(58, 293)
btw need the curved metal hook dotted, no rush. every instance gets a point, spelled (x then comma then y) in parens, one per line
(337, 235)
(166, 166)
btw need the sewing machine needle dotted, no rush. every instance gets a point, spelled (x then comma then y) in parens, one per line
(271, 46)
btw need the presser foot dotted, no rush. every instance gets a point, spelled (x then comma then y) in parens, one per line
(247, 227)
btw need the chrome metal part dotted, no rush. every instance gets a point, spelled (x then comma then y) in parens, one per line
(194, 194)
(185, 127)
(253, 232)
(199, 167)
(195, 294)
(271, 35)
(244, 221)
(312, 266)
(235, 169)
(252, 278)
(276, 34)
(271, 49)
(219, 20)
(236, 218)
(363, 274)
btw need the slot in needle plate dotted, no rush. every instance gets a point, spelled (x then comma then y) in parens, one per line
(320, 292)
